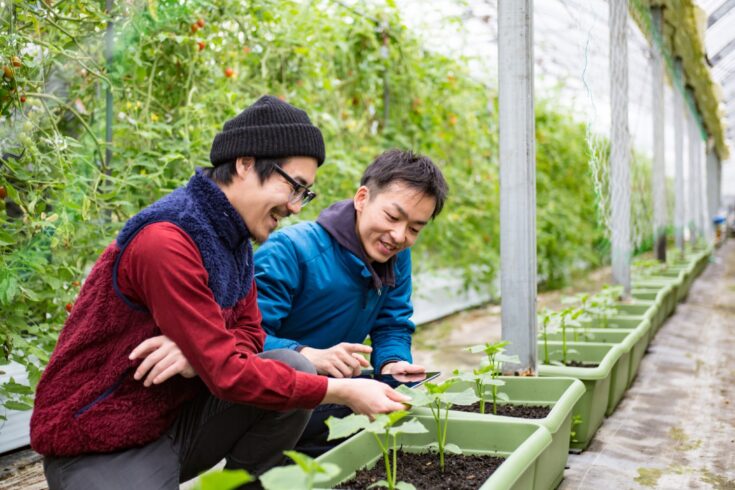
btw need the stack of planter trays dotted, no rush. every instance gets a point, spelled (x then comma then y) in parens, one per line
(618, 344)
(535, 450)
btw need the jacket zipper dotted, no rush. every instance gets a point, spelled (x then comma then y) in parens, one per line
(105, 394)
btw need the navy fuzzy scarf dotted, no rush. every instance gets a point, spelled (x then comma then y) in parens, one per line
(202, 210)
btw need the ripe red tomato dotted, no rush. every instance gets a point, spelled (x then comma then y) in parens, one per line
(3, 193)
(200, 22)
(68, 307)
(22, 99)
(194, 28)
(201, 45)
(246, 49)
(229, 72)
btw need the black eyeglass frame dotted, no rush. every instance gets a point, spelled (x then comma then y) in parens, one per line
(299, 192)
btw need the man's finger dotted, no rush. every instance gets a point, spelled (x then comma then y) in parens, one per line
(360, 359)
(357, 348)
(146, 347)
(158, 368)
(151, 360)
(414, 368)
(169, 372)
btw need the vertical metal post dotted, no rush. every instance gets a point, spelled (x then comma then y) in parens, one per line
(109, 45)
(620, 144)
(517, 179)
(693, 211)
(712, 191)
(679, 205)
(658, 176)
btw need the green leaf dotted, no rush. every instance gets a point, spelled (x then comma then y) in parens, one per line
(402, 485)
(340, 428)
(224, 479)
(15, 405)
(452, 448)
(284, 478)
(466, 397)
(412, 426)
(380, 483)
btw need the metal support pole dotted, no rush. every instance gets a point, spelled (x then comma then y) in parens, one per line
(517, 179)
(693, 211)
(658, 176)
(679, 205)
(620, 145)
(712, 191)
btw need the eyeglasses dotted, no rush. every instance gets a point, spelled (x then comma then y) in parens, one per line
(299, 192)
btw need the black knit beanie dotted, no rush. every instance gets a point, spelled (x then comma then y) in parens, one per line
(269, 128)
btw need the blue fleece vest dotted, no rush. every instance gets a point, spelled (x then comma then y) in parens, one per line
(202, 210)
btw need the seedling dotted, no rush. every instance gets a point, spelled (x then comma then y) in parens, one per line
(602, 305)
(584, 300)
(223, 480)
(385, 431)
(549, 325)
(567, 318)
(304, 474)
(490, 369)
(437, 397)
(648, 267)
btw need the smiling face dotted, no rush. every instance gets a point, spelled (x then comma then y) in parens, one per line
(263, 204)
(390, 219)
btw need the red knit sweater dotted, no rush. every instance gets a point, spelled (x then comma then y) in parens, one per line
(87, 400)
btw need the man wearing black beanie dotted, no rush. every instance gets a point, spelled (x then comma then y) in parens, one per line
(159, 373)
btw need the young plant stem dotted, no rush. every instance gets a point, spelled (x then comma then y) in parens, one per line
(480, 391)
(386, 460)
(563, 340)
(444, 437)
(495, 401)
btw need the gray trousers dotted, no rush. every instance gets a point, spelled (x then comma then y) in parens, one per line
(206, 431)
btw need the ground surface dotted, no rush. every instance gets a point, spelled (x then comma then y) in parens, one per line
(675, 428)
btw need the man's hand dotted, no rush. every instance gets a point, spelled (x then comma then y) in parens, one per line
(341, 361)
(402, 367)
(365, 396)
(162, 360)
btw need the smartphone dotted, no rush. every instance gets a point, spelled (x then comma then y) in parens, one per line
(409, 380)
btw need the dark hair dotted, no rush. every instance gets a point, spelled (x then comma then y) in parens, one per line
(416, 171)
(223, 173)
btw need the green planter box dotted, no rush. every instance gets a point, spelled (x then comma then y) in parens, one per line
(663, 299)
(520, 443)
(633, 343)
(648, 309)
(591, 407)
(559, 393)
(667, 289)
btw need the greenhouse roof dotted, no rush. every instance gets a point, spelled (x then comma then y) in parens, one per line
(720, 46)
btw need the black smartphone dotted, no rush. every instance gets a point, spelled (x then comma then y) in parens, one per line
(409, 380)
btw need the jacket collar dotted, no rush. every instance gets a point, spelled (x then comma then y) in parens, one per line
(215, 206)
(339, 221)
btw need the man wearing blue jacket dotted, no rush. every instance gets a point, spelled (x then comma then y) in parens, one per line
(325, 286)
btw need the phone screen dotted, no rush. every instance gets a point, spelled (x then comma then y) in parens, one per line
(409, 380)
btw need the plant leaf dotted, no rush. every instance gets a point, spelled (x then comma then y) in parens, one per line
(380, 483)
(224, 479)
(340, 428)
(402, 485)
(452, 448)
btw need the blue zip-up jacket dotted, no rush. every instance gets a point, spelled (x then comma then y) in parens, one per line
(314, 292)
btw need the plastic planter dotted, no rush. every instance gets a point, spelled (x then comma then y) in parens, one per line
(559, 393)
(633, 343)
(667, 289)
(661, 296)
(591, 407)
(521, 443)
